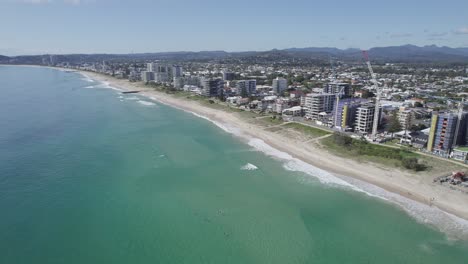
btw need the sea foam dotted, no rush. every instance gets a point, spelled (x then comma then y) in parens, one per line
(86, 77)
(249, 166)
(146, 103)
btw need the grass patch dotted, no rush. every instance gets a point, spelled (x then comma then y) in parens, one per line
(365, 151)
(308, 130)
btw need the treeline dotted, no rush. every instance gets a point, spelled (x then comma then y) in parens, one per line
(358, 147)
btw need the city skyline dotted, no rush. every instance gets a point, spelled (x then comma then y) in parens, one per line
(102, 26)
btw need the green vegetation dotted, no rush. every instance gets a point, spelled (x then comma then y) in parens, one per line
(356, 148)
(308, 130)
(394, 124)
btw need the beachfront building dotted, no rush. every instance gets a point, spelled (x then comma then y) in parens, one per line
(211, 87)
(343, 89)
(279, 85)
(147, 76)
(446, 132)
(281, 104)
(365, 118)
(290, 113)
(161, 77)
(319, 103)
(460, 153)
(247, 87)
(178, 83)
(345, 113)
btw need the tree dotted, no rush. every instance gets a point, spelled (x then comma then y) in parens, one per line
(412, 163)
(342, 139)
(394, 124)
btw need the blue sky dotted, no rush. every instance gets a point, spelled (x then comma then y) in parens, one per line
(106, 26)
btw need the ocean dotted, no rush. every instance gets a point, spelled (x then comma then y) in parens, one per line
(88, 175)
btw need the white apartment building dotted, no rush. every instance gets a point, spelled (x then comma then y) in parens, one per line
(279, 85)
(319, 103)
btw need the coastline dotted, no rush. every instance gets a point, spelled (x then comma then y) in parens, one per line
(403, 186)
(395, 181)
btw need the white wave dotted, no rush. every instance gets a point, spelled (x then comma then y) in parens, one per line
(132, 98)
(107, 85)
(89, 87)
(146, 103)
(162, 156)
(423, 213)
(86, 77)
(293, 164)
(249, 166)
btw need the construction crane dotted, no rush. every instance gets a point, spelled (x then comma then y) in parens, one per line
(378, 93)
(338, 96)
(460, 115)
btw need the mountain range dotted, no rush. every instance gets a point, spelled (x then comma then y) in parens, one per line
(391, 54)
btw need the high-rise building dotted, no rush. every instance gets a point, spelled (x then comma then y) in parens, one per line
(228, 76)
(161, 77)
(344, 114)
(444, 129)
(211, 87)
(406, 118)
(147, 76)
(279, 85)
(52, 60)
(177, 71)
(192, 80)
(246, 87)
(152, 67)
(178, 83)
(343, 89)
(365, 118)
(319, 103)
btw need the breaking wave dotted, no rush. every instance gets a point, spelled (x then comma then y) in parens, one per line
(146, 103)
(249, 166)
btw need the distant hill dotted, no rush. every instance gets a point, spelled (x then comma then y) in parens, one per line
(4, 59)
(405, 53)
(393, 54)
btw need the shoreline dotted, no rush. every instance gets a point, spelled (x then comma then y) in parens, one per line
(402, 186)
(403, 183)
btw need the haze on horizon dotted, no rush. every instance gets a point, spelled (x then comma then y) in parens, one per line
(105, 26)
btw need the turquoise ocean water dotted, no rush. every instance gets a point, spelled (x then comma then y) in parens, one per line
(91, 176)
